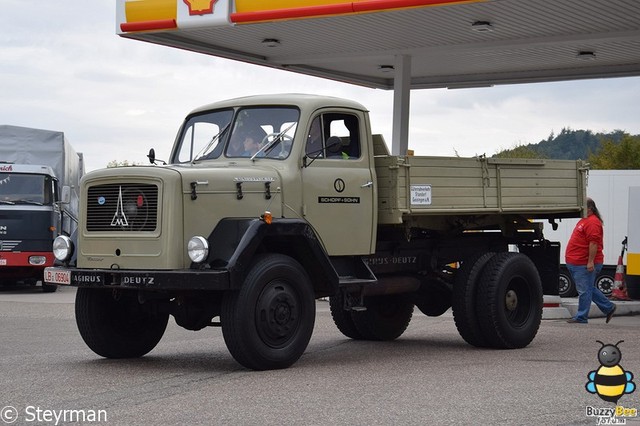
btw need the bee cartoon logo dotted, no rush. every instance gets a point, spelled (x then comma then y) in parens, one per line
(610, 381)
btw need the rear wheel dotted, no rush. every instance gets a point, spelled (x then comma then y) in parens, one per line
(114, 325)
(385, 318)
(268, 323)
(465, 301)
(509, 301)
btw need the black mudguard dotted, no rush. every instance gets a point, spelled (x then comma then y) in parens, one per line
(235, 242)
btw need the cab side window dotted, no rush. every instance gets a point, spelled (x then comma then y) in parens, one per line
(334, 136)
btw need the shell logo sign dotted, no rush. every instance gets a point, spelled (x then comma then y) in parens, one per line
(157, 15)
(200, 7)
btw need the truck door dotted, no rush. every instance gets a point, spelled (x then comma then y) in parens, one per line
(338, 184)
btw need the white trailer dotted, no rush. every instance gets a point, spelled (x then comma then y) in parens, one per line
(610, 190)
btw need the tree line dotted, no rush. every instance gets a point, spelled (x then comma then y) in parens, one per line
(616, 150)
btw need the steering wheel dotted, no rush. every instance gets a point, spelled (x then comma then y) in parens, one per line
(284, 148)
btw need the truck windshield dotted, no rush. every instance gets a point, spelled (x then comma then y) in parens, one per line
(19, 188)
(203, 136)
(241, 133)
(263, 132)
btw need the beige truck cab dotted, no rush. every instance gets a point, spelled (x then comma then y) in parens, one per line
(325, 178)
(269, 202)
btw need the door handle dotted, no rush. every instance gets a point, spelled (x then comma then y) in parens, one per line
(367, 185)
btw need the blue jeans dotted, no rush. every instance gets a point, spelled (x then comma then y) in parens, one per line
(588, 292)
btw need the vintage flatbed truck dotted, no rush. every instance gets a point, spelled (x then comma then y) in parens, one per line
(270, 202)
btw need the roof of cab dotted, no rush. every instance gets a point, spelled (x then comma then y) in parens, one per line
(303, 101)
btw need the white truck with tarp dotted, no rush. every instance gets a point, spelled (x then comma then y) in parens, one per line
(39, 180)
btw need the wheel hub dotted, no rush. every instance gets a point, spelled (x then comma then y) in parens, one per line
(281, 313)
(277, 315)
(511, 300)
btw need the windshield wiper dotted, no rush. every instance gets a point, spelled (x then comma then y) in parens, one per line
(213, 140)
(272, 144)
(314, 155)
(7, 202)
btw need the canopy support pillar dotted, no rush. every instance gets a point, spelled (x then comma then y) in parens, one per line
(401, 103)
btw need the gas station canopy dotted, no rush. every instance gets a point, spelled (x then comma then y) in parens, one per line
(403, 44)
(433, 43)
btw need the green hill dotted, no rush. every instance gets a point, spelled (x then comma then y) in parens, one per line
(567, 145)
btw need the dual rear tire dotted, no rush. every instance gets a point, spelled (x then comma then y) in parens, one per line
(498, 301)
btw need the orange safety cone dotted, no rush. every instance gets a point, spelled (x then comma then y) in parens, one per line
(619, 290)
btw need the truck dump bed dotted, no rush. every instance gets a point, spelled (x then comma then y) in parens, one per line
(445, 186)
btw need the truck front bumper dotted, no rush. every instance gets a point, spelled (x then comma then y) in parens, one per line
(144, 280)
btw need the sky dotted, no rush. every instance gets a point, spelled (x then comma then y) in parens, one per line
(63, 68)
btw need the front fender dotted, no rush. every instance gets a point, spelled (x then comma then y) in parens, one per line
(235, 242)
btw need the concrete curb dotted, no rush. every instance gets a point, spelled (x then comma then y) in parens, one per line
(553, 308)
(624, 307)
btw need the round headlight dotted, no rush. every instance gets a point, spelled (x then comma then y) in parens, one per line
(62, 248)
(198, 249)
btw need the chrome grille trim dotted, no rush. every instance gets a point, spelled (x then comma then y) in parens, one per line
(122, 207)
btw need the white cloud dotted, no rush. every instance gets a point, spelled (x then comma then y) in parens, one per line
(63, 68)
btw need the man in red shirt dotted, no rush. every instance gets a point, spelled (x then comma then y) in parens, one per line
(584, 259)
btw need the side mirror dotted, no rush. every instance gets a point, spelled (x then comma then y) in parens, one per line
(65, 196)
(152, 156)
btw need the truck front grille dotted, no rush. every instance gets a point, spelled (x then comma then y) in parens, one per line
(122, 207)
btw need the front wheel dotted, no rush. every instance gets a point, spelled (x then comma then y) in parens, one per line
(268, 323)
(115, 325)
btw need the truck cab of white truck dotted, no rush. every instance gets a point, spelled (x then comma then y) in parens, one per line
(269, 202)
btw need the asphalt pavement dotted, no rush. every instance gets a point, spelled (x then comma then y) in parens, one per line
(429, 376)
